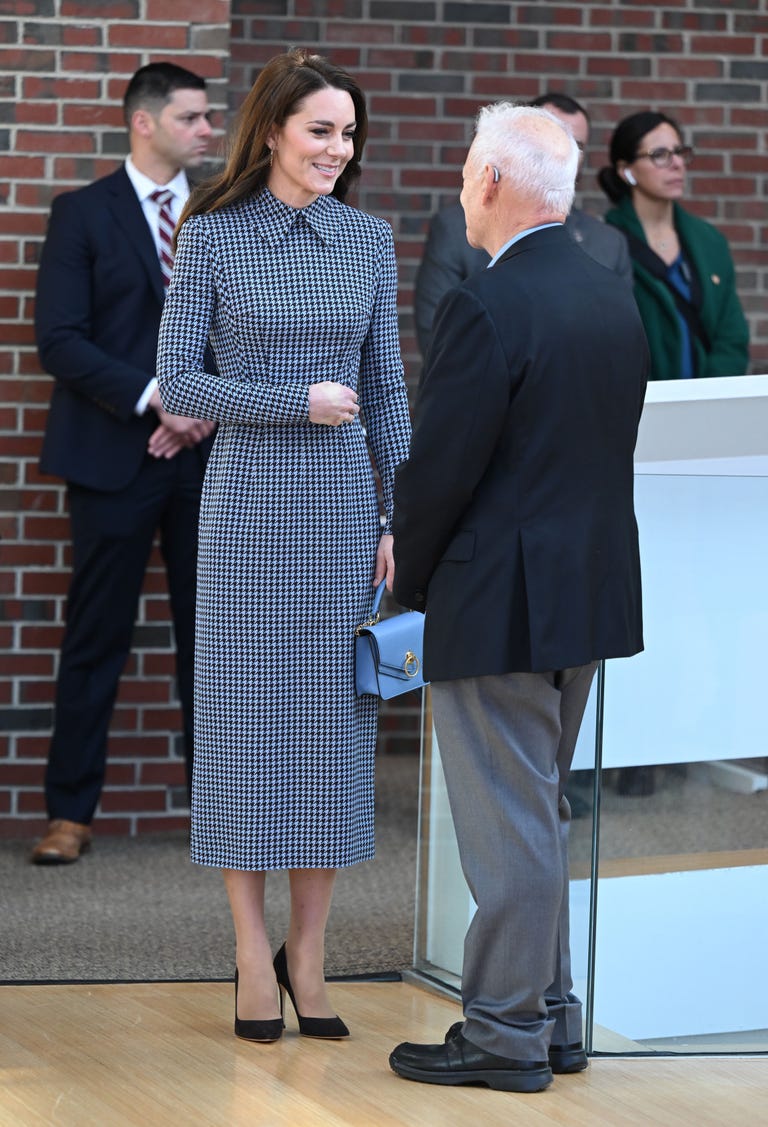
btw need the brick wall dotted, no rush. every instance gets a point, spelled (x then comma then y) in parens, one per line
(426, 65)
(64, 65)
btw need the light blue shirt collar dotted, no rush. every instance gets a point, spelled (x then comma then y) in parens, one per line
(516, 239)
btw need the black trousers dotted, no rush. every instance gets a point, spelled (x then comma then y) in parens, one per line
(112, 537)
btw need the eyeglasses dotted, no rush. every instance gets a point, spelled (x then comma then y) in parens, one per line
(662, 158)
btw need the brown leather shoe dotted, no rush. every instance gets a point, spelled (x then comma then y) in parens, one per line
(63, 843)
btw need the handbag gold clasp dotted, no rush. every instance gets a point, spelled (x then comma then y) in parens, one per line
(411, 665)
(372, 621)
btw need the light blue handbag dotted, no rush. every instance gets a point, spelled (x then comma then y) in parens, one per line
(388, 652)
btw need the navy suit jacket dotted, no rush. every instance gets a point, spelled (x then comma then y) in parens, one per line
(514, 522)
(448, 259)
(97, 316)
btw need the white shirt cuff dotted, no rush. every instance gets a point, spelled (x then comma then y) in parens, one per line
(141, 406)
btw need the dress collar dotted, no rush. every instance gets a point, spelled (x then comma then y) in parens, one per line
(273, 219)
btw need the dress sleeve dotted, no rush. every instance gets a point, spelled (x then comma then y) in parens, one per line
(186, 388)
(384, 399)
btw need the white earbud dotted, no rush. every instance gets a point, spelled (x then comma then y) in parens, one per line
(496, 174)
(629, 177)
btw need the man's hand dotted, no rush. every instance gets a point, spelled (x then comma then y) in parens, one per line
(332, 403)
(176, 432)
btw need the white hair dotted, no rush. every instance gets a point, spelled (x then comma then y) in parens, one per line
(521, 143)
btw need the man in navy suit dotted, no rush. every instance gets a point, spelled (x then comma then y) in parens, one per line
(514, 529)
(131, 469)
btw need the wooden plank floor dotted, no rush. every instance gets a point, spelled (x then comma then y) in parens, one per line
(163, 1055)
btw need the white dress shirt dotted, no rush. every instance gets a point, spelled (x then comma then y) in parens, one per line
(144, 187)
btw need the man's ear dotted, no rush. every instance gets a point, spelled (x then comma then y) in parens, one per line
(491, 179)
(142, 123)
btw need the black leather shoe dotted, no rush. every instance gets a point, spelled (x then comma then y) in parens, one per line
(568, 1058)
(562, 1058)
(458, 1061)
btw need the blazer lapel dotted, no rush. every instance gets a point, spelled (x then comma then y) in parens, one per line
(129, 217)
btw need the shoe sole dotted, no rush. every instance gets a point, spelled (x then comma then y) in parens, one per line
(58, 858)
(534, 1081)
(564, 1063)
(54, 859)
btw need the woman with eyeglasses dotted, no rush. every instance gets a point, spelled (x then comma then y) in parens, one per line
(684, 277)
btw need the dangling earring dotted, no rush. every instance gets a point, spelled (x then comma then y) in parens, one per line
(271, 157)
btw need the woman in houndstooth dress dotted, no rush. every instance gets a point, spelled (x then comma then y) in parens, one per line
(297, 293)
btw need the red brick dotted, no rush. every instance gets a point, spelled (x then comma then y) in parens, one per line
(98, 60)
(108, 10)
(749, 163)
(699, 115)
(104, 825)
(192, 11)
(171, 823)
(36, 113)
(120, 774)
(43, 140)
(26, 665)
(159, 37)
(138, 747)
(171, 774)
(31, 801)
(159, 665)
(32, 747)
(123, 801)
(652, 92)
(26, 59)
(579, 41)
(45, 582)
(435, 130)
(723, 45)
(85, 115)
(21, 775)
(145, 691)
(35, 637)
(493, 87)
(38, 692)
(161, 719)
(60, 87)
(691, 68)
(426, 34)
(545, 63)
(622, 17)
(81, 35)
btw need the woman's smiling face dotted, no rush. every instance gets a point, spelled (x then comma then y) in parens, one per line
(312, 148)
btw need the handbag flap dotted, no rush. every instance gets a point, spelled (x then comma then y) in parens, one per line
(398, 642)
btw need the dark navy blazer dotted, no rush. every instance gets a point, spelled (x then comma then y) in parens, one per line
(97, 315)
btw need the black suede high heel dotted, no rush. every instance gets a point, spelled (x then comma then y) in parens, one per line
(328, 1027)
(269, 1030)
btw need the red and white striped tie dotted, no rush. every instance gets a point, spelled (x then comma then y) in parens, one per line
(165, 226)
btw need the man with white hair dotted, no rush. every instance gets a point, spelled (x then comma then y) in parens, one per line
(515, 532)
(448, 258)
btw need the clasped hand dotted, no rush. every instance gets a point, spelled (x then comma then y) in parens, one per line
(332, 403)
(175, 432)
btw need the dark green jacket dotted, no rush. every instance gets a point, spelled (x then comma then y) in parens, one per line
(720, 311)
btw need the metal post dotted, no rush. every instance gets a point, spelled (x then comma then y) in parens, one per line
(595, 856)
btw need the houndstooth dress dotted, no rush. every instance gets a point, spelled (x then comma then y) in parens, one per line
(289, 522)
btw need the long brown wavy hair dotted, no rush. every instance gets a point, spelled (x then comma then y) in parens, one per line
(282, 84)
